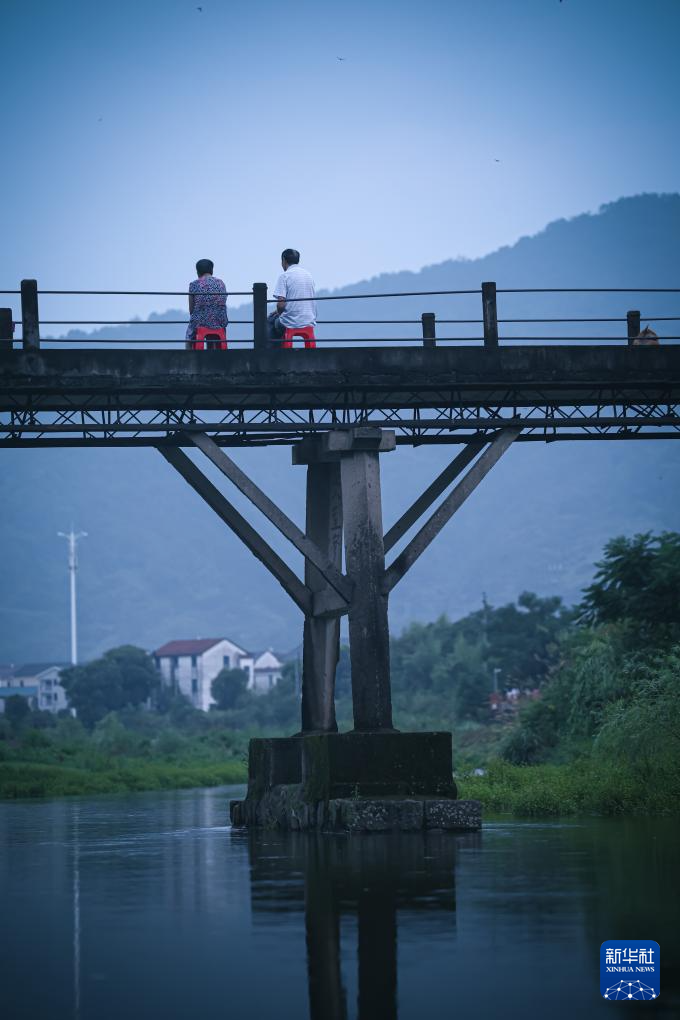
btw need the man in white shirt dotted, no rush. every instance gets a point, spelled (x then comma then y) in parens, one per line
(295, 294)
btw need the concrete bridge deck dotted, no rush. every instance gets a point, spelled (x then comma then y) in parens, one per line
(288, 393)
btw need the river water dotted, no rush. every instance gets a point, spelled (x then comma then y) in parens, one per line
(151, 906)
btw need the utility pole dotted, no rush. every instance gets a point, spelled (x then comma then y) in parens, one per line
(496, 674)
(72, 539)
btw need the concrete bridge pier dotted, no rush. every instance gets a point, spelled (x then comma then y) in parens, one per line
(372, 778)
(343, 495)
(369, 638)
(321, 635)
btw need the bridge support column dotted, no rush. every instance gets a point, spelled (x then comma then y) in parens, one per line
(343, 494)
(321, 635)
(369, 640)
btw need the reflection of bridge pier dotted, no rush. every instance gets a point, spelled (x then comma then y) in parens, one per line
(372, 896)
(327, 1000)
(377, 950)
(370, 879)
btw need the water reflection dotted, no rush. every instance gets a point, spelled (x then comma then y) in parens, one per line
(150, 906)
(367, 882)
(76, 910)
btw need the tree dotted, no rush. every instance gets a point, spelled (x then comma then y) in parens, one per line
(343, 675)
(645, 727)
(469, 679)
(617, 684)
(17, 709)
(638, 582)
(123, 677)
(523, 639)
(536, 736)
(228, 688)
(450, 666)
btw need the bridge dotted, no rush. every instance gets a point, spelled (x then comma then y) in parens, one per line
(450, 389)
(340, 409)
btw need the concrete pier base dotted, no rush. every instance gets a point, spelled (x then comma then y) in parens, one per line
(354, 782)
(284, 807)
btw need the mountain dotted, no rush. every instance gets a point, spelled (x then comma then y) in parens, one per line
(157, 564)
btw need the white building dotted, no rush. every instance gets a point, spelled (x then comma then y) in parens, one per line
(189, 667)
(267, 668)
(39, 683)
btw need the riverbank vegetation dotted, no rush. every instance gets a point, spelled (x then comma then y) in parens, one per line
(604, 735)
(554, 711)
(132, 749)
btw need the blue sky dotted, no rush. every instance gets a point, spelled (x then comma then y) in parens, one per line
(146, 135)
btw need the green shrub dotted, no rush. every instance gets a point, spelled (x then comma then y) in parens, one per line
(535, 736)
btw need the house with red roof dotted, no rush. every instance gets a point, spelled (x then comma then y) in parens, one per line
(190, 666)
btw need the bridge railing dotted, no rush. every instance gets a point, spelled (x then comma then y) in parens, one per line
(431, 328)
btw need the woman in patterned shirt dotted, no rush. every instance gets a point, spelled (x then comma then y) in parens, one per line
(207, 301)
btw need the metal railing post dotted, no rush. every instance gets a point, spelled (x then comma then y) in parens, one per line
(6, 329)
(490, 315)
(29, 315)
(429, 334)
(260, 338)
(633, 323)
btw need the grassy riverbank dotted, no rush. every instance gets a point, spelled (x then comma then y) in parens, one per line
(136, 752)
(32, 779)
(579, 788)
(582, 787)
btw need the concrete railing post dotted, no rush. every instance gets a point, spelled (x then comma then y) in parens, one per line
(633, 326)
(29, 315)
(490, 315)
(429, 334)
(260, 338)
(6, 329)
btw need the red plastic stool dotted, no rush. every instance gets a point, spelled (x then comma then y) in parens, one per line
(214, 336)
(305, 333)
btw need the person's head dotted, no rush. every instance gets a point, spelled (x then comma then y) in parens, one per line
(289, 257)
(204, 266)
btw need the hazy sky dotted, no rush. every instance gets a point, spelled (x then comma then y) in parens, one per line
(143, 135)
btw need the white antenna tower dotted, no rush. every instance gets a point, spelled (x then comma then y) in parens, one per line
(72, 539)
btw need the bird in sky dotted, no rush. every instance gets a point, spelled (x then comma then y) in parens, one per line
(341, 58)
(496, 160)
(200, 10)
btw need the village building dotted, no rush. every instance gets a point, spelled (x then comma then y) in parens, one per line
(38, 682)
(267, 668)
(190, 666)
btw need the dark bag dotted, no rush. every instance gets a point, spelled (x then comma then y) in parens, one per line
(275, 330)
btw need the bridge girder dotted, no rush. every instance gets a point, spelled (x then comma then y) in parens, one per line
(241, 398)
